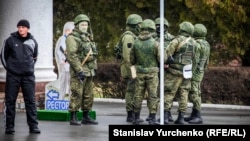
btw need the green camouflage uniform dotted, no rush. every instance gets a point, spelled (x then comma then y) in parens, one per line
(78, 46)
(145, 56)
(195, 92)
(167, 39)
(127, 43)
(122, 50)
(194, 96)
(81, 53)
(176, 85)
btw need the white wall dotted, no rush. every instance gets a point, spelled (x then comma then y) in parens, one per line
(40, 15)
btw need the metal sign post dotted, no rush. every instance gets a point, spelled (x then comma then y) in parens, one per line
(161, 62)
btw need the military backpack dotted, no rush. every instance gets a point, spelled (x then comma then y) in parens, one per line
(118, 46)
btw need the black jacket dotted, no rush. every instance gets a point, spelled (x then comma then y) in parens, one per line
(19, 54)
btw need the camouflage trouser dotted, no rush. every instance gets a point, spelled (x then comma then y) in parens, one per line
(129, 95)
(150, 83)
(165, 82)
(176, 86)
(194, 95)
(82, 94)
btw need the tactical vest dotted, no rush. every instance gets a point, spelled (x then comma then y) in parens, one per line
(167, 39)
(146, 58)
(184, 54)
(204, 54)
(85, 47)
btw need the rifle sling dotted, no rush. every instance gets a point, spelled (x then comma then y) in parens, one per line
(85, 59)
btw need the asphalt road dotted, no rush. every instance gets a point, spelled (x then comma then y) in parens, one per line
(113, 113)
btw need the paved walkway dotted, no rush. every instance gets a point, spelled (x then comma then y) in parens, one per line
(112, 112)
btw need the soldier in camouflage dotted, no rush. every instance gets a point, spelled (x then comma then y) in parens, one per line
(200, 32)
(127, 40)
(167, 39)
(82, 57)
(183, 51)
(145, 57)
(167, 36)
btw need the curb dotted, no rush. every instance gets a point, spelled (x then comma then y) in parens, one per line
(204, 105)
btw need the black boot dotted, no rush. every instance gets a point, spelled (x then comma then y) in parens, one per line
(137, 118)
(197, 118)
(9, 130)
(180, 119)
(73, 119)
(86, 119)
(148, 118)
(166, 117)
(35, 130)
(133, 117)
(140, 120)
(152, 120)
(130, 116)
(187, 119)
(170, 118)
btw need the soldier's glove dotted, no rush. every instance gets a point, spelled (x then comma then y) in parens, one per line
(170, 60)
(81, 75)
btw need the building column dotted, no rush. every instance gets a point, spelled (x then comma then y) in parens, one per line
(40, 15)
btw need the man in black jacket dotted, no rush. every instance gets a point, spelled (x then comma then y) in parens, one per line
(18, 56)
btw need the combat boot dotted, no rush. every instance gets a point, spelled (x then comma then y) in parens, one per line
(152, 120)
(187, 119)
(166, 117)
(140, 120)
(197, 118)
(86, 119)
(170, 118)
(130, 116)
(148, 118)
(180, 119)
(73, 119)
(137, 118)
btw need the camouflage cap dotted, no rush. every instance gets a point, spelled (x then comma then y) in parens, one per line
(134, 19)
(200, 30)
(148, 23)
(187, 27)
(81, 17)
(157, 21)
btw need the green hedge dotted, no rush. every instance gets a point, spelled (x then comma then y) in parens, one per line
(221, 85)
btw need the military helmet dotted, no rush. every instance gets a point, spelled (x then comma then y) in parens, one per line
(134, 19)
(148, 23)
(80, 18)
(200, 30)
(187, 27)
(157, 21)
